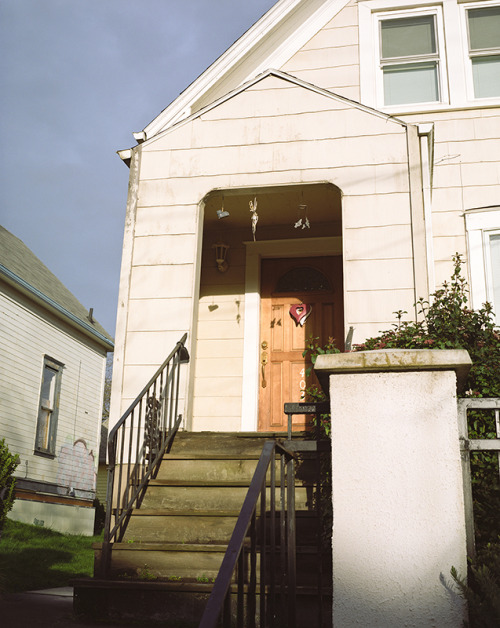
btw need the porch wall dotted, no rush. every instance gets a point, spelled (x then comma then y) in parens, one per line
(274, 133)
(466, 172)
(218, 369)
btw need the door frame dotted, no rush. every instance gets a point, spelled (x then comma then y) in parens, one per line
(255, 252)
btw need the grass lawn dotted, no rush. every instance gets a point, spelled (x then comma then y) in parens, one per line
(38, 558)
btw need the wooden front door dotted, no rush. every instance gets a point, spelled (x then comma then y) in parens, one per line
(315, 283)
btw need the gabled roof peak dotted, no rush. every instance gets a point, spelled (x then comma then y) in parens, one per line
(125, 154)
(270, 42)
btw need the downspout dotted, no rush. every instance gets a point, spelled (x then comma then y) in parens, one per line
(426, 139)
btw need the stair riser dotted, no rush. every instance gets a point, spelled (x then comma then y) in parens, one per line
(203, 529)
(212, 497)
(207, 470)
(223, 470)
(178, 609)
(199, 566)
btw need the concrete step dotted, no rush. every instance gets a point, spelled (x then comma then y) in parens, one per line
(210, 496)
(200, 563)
(173, 562)
(222, 468)
(240, 443)
(211, 527)
(177, 605)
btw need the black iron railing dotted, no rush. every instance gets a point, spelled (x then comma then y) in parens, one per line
(136, 446)
(265, 533)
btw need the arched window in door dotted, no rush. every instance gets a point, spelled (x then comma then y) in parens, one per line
(302, 279)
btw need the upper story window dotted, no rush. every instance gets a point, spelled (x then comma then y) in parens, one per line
(483, 29)
(409, 59)
(430, 55)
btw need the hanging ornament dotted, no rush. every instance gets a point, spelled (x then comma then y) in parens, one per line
(303, 221)
(300, 313)
(255, 217)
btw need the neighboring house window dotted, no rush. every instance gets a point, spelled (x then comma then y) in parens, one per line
(483, 235)
(409, 59)
(483, 29)
(48, 408)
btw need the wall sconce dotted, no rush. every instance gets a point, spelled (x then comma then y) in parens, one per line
(220, 256)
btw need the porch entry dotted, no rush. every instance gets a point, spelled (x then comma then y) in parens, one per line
(300, 298)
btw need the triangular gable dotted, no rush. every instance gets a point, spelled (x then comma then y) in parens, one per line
(125, 154)
(269, 43)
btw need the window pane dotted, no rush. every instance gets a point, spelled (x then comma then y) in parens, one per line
(495, 272)
(43, 429)
(408, 36)
(48, 387)
(302, 279)
(486, 75)
(410, 83)
(484, 28)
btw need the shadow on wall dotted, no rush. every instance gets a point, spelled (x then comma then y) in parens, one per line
(76, 469)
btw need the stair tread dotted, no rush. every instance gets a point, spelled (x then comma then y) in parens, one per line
(207, 456)
(192, 547)
(176, 586)
(168, 512)
(217, 483)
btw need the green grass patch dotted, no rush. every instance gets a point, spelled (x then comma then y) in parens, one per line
(34, 558)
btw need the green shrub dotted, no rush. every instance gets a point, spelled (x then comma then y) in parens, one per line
(8, 464)
(482, 589)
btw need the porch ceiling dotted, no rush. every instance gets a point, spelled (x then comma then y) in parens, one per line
(275, 205)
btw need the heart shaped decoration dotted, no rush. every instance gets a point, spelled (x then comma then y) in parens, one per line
(300, 313)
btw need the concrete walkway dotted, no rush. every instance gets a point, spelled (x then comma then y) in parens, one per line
(49, 608)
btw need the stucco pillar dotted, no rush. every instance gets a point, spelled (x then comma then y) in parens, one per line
(398, 511)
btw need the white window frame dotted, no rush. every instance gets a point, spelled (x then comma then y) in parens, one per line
(467, 57)
(46, 428)
(439, 56)
(480, 225)
(456, 75)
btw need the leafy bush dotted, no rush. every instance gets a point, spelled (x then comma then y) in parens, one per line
(448, 323)
(8, 464)
(482, 590)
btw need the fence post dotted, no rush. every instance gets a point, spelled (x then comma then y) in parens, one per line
(399, 522)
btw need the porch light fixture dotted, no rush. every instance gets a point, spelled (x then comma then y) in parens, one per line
(220, 256)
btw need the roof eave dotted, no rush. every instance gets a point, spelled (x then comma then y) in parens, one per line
(38, 296)
(233, 55)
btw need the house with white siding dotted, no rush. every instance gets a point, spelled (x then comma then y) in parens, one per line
(53, 359)
(318, 177)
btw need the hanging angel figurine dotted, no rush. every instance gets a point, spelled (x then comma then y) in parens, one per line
(255, 217)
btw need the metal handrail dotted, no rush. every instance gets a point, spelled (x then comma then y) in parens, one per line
(280, 550)
(136, 446)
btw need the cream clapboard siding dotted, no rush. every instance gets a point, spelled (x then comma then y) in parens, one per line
(330, 59)
(219, 347)
(466, 176)
(467, 141)
(29, 334)
(269, 134)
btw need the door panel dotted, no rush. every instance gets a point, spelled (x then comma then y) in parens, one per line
(283, 368)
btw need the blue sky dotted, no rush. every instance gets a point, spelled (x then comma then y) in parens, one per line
(77, 77)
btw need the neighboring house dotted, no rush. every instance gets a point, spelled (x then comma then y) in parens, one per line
(52, 364)
(364, 161)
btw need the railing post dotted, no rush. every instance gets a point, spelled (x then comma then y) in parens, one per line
(291, 534)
